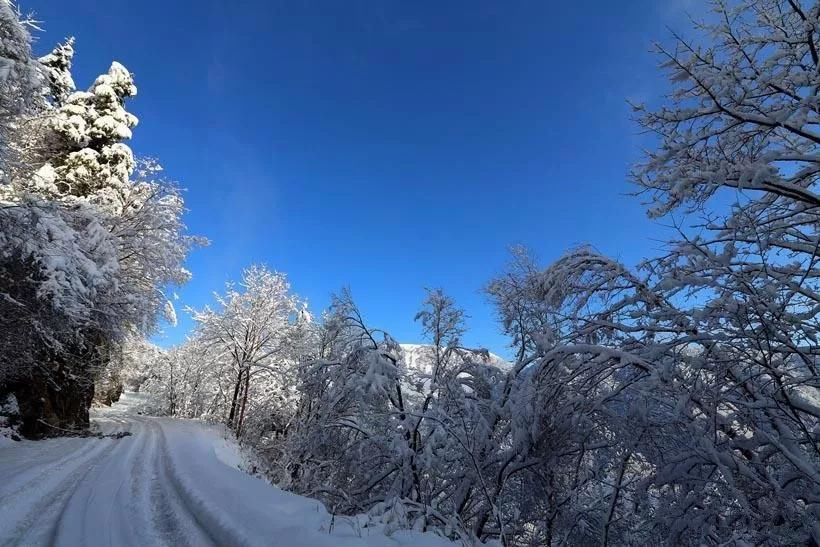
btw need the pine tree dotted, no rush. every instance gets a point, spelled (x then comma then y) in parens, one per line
(89, 160)
(57, 69)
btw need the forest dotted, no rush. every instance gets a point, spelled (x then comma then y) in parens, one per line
(673, 402)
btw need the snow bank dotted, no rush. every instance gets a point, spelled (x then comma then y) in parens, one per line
(238, 509)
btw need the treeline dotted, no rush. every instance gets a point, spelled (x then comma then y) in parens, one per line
(90, 236)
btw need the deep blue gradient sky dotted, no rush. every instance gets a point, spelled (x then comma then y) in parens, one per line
(387, 146)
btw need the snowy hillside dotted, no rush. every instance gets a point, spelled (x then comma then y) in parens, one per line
(416, 357)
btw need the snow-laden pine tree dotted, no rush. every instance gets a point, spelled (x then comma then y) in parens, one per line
(56, 66)
(87, 158)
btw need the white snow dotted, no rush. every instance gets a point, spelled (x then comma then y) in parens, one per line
(417, 355)
(172, 482)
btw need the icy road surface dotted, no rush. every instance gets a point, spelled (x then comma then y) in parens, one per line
(172, 482)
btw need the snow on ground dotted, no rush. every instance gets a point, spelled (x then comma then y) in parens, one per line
(172, 482)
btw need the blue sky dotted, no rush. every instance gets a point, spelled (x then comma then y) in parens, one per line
(385, 146)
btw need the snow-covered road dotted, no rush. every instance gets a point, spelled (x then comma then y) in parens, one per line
(172, 482)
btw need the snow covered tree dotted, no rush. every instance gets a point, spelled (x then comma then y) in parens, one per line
(258, 328)
(372, 433)
(57, 69)
(20, 83)
(90, 237)
(133, 360)
(690, 384)
(86, 158)
(743, 113)
(351, 416)
(743, 117)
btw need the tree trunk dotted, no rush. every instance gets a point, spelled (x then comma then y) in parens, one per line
(236, 387)
(244, 403)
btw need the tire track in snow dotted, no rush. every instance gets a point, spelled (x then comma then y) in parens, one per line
(33, 470)
(138, 494)
(100, 507)
(50, 504)
(59, 497)
(173, 515)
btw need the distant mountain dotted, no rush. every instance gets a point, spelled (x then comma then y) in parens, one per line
(416, 357)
